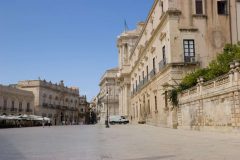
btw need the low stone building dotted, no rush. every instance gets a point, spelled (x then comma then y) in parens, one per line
(55, 101)
(108, 96)
(14, 101)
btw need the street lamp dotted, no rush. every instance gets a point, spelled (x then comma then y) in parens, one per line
(107, 123)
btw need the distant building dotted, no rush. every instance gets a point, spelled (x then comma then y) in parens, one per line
(14, 101)
(55, 101)
(125, 44)
(108, 95)
(83, 109)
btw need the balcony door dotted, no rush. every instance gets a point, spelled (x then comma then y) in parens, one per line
(189, 50)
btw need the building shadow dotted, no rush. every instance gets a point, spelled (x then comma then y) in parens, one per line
(9, 151)
(153, 158)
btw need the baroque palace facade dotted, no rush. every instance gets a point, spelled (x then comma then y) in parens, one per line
(55, 101)
(177, 37)
(14, 101)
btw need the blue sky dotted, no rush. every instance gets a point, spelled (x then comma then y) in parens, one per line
(70, 40)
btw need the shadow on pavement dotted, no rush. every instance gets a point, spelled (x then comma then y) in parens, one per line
(153, 158)
(8, 151)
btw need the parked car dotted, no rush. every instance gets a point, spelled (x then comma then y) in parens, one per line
(118, 120)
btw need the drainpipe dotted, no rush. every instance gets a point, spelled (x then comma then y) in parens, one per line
(230, 22)
(236, 3)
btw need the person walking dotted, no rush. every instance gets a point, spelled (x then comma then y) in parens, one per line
(49, 122)
(43, 123)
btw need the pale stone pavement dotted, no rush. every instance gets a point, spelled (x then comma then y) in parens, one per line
(120, 142)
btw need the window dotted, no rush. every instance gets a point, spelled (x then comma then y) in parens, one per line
(44, 98)
(136, 111)
(143, 76)
(161, 5)
(222, 7)
(28, 106)
(50, 99)
(154, 65)
(149, 110)
(13, 104)
(133, 87)
(164, 55)
(199, 6)
(20, 106)
(155, 103)
(5, 103)
(75, 103)
(147, 72)
(166, 99)
(189, 50)
(136, 84)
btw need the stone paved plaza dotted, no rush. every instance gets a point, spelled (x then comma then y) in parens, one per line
(120, 142)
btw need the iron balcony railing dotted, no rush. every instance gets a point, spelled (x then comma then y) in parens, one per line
(152, 73)
(145, 80)
(162, 64)
(189, 59)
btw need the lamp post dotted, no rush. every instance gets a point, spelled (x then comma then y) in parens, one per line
(107, 122)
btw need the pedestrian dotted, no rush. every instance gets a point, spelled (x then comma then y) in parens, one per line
(43, 122)
(49, 123)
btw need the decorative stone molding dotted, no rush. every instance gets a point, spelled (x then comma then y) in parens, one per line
(153, 49)
(188, 29)
(152, 32)
(199, 16)
(162, 35)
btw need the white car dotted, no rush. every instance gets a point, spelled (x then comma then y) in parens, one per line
(118, 120)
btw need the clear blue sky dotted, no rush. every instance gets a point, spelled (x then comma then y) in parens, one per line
(70, 40)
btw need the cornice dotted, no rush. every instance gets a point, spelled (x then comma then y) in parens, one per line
(145, 25)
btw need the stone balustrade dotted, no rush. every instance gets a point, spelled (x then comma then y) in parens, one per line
(212, 105)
